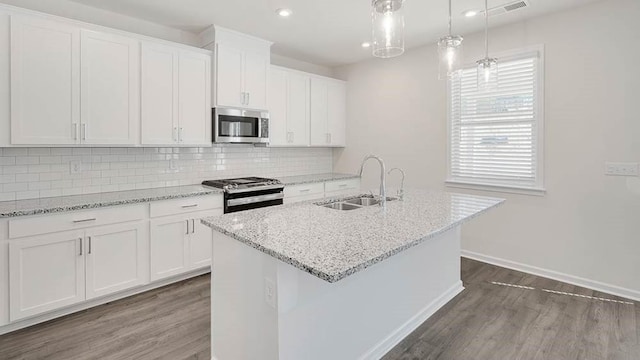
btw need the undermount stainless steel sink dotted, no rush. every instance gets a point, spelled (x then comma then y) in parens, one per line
(354, 203)
(364, 201)
(342, 206)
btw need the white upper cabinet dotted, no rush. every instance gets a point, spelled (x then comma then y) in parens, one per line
(242, 69)
(337, 112)
(110, 89)
(194, 99)
(306, 109)
(45, 82)
(328, 112)
(159, 94)
(71, 85)
(288, 108)
(256, 79)
(176, 96)
(229, 72)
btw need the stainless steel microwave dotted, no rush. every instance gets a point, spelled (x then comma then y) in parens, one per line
(238, 126)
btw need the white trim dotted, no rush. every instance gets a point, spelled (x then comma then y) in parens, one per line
(496, 188)
(510, 55)
(21, 324)
(393, 339)
(555, 275)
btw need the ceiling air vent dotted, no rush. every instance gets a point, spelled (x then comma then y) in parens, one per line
(505, 8)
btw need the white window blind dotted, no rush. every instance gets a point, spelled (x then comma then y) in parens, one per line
(494, 135)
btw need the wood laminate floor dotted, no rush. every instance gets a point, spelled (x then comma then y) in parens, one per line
(489, 320)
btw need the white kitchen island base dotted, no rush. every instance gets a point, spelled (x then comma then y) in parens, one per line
(263, 308)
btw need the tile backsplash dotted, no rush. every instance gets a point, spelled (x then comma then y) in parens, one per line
(29, 173)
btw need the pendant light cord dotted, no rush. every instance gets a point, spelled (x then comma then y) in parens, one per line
(450, 34)
(486, 28)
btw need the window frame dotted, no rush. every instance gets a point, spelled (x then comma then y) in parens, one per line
(538, 189)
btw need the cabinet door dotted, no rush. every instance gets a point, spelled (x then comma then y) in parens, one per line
(298, 109)
(278, 133)
(110, 90)
(194, 99)
(45, 82)
(256, 75)
(319, 112)
(159, 94)
(169, 247)
(200, 241)
(229, 72)
(46, 273)
(337, 110)
(117, 258)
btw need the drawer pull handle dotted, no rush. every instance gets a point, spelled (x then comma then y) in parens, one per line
(80, 241)
(343, 185)
(84, 220)
(189, 206)
(187, 227)
(305, 190)
(89, 246)
(193, 226)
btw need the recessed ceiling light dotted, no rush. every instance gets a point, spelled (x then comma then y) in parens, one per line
(471, 13)
(366, 45)
(284, 12)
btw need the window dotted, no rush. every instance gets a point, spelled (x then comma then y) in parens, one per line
(495, 137)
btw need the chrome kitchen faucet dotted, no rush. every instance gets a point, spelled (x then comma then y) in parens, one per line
(383, 186)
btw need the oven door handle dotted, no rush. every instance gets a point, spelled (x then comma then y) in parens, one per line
(254, 199)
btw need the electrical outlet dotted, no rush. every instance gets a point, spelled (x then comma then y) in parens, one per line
(270, 292)
(621, 169)
(172, 165)
(75, 167)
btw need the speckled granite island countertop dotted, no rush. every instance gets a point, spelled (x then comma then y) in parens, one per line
(316, 178)
(333, 244)
(92, 201)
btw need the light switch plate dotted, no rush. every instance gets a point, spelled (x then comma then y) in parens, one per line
(270, 292)
(621, 169)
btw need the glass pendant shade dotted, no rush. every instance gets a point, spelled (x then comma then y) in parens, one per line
(388, 28)
(487, 74)
(450, 55)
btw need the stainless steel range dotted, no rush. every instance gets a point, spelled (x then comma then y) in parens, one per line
(248, 193)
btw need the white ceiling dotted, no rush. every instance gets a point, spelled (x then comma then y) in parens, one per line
(325, 32)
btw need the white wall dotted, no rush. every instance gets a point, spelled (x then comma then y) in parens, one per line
(80, 12)
(587, 226)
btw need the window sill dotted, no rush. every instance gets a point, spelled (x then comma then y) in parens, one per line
(496, 188)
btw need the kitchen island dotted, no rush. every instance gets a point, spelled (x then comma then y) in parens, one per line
(305, 281)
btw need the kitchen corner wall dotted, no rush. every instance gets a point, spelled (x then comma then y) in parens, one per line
(29, 173)
(586, 229)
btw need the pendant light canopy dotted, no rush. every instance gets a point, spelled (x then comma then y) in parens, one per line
(449, 53)
(487, 67)
(388, 28)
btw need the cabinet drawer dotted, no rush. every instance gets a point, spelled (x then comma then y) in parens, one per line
(75, 220)
(350, 184)
(304, 190)
(186, 205)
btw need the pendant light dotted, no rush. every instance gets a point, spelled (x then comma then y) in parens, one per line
(388, 28)
(449, 53)
(487, 67)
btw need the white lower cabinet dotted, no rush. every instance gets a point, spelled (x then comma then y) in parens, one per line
(318, 191)
(116, 258)
(180, 244)
(45, 273)
(51, 271)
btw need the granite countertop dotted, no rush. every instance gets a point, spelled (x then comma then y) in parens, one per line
(308, 179)
(91, 201)
(333, 244)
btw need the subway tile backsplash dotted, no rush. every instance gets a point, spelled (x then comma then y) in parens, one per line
(30, 173)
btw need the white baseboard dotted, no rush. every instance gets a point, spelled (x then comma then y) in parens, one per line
(566, 278)
(383, 347)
